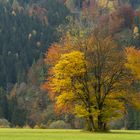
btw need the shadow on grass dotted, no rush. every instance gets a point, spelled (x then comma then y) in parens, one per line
(125, 132)
(130, 132)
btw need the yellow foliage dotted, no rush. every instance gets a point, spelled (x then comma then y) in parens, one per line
(106, 4)
(136, 30)
(71, 64)
(80, 111)
(64, 99)
(133, 61)
(102, 2)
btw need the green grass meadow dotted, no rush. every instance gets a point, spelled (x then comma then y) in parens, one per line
(44, 134)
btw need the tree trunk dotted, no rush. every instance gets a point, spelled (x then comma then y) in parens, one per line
(101, 124)
(91, 124)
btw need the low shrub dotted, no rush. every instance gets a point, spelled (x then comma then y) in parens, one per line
(60, 124)
(4, 123)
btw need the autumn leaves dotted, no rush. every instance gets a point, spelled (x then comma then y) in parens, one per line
(90, 78)
(133, 61)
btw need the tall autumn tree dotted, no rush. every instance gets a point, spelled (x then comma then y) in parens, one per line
(89, 79)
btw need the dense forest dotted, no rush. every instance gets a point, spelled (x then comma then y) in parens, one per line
(28, 28)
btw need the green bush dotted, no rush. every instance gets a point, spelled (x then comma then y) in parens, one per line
(4, 123)
(60, 124)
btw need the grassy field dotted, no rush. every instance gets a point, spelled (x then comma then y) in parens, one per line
(38, 134)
